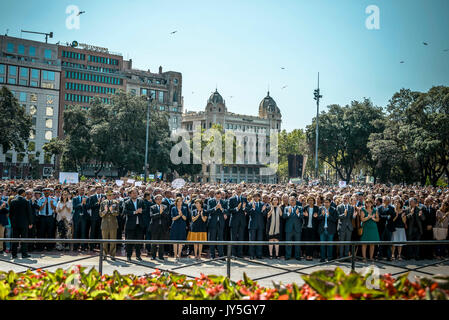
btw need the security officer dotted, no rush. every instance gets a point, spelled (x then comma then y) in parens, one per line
(109, 210)
(47, 211)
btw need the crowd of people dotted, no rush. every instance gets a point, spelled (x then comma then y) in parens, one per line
(216, 212)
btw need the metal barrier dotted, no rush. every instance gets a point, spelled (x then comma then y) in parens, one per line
(229, 257)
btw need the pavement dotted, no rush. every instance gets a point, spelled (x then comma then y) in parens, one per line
(265, 271)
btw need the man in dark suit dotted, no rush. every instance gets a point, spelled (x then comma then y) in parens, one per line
(32, 233)
(256, 224)
(310, 226)
(346, 214)
(415, 219)
(386, 215)
(327, 228)
(133, 209)
(293, 215)
(237, 221)
(160, 221)
(148, 203)
(427, 251)
(216, 222)
(80, 216)
(21, 220)
(95, 219)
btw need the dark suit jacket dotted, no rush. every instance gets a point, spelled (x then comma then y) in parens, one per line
(215, 219)
(345, 222)
(386, 215)
(159, 221)
(94, 205)
(20, 213)
(237, 215)
(256, 216)
(146, 213)
(131, 218)
(4, 214)
(331, 221)
(414, 222)
(293, 221)
(314, 220)
(79, 209)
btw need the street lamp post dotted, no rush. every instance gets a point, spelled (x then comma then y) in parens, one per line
(150, 100)
(317, 97)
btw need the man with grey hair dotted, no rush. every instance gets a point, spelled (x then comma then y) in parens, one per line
(346, 214)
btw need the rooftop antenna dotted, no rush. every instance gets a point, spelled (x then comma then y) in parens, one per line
(43, 33)
(7, 30)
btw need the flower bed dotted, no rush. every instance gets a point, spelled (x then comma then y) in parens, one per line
(77, 284)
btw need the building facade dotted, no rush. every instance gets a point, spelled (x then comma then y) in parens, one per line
(87, 72)
(31, 70)
(165, 88)
(250, 169)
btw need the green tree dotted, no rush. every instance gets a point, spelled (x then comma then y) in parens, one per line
(54, 148)
(15, 123)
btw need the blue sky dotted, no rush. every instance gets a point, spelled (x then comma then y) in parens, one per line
(240, 46)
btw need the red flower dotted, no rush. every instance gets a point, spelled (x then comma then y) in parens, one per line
(433, 286)
(151, 289)
(283, 297)
(157, 272)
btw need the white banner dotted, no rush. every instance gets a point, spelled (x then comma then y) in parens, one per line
(68, 177)
(119, 182)
(342, 184)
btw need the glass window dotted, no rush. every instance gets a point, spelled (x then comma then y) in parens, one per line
(12, 81)
(48, 135)
(23, 97)
(23, 82)
(33, 110)
(49, 123)
(2, 79)
(175, 81)
(161, 96)
(12, 70)
(35, 73)
(48, 75)
(8, 157)
(32, 134)
(24, 72)
(20, 157)
(161, 108)
(47, 54)
(33, 121)
(144, 92)
(33, 83)
(153, 93)
(32, 51)
(2, 69)
(49, 111)
(10, 47)
(21, 49)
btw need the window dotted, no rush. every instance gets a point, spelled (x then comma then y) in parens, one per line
(8, 157)
(31, 157)
(32, 135)
(50, 99)
(23, 97)
(175, 81)
(33, 97)
(12, 81)
(48, 75)
(34, 73)
(33, 110)
(23, 82)
(12, 70)
(175, 109)
(175, 96)
(10, 47)
(48, 85)
(48, 135)
(2, 79)
(20, 157)
(47, 54)
(49, 123)
(32, 51)
(33, 121)
(175, 120)
(143, 92)
(31, 146)
(2, 69)
(24, 72)
(49, 111)
(161, 108)
(153, 93)
(33, 83)
(133, 92)
(161, 96)
(21, 49)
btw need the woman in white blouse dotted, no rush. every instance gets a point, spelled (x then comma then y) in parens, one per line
(64, 220)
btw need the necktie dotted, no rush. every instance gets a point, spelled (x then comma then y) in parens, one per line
(325, 219)
(47, 210)
(159, 210)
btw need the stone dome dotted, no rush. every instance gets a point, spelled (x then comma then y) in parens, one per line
(268, 105)
(215, 98)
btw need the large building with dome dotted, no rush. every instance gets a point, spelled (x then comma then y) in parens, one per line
(268, 119)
